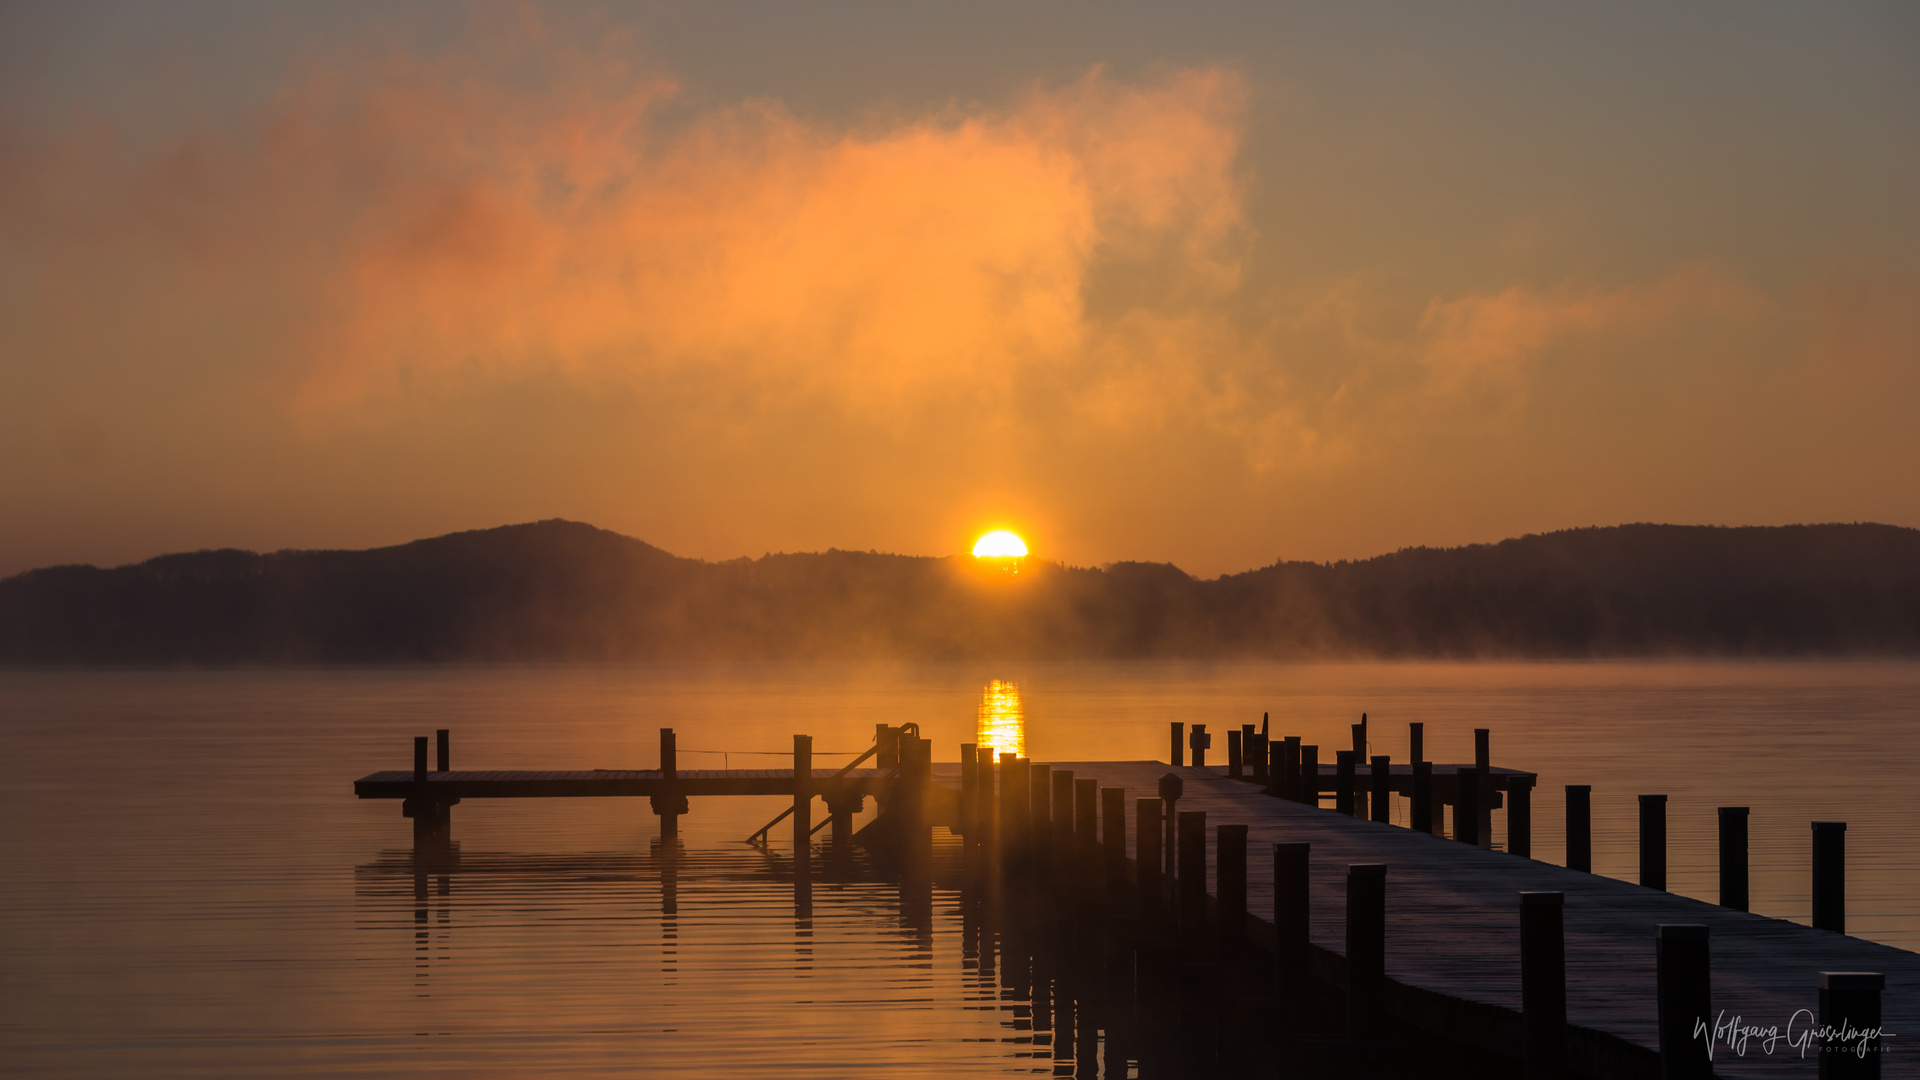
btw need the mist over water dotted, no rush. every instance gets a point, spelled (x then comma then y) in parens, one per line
(192, 888)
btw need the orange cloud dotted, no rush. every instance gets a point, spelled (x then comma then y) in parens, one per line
(429, 220)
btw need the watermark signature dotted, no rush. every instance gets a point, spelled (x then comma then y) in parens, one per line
(1802, 1033)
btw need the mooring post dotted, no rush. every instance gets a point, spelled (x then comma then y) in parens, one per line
(1733, 857)
(1039, 815)
(1199, 742)
(969, 795)
(1193, 874)
(1179, 744)
(1235, 760)
(1830, 876)
(1291, 907)
(1148, 827)
(1309, 775)
(1113, 838)
(1466, 805)
(1275, 780)
(1520, 815)
(1257, 756)
(803, 798)
(1543, 984)
(1290, 757)
(1063, 820)
(1653, 841)
(1366, 948)
(420, 807)
(1684, 999)
(1343, 782)
(1359, 759)
(1483, 785)
(1230, 862)
(1086, 825)
(1170, 788)
(669, 804)
(1013, 810)
(443, 758)
(1416, 741)
(1382, 778)
(1850, 1022)
(1580, 827)
(1420, 802)
(986, 793)
(420, 764)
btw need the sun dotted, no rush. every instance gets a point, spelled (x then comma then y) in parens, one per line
(999, 544)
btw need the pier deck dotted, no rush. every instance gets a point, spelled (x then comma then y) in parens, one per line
(1453, 931)
(603, 783)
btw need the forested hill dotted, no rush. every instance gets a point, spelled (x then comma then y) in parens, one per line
(558, 590)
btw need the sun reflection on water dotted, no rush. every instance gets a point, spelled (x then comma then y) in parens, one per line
(1003, 725)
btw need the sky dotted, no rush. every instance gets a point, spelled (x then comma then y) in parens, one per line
(1214, 284)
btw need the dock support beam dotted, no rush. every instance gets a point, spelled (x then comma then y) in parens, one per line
(1366, 948)
(803, 799)
(1850, 1001)
(1200, 742)
(443, 746)
(1113, 840)
(1230, 854)
(1236, 756)
(1343, 782)
(1733, 857)
(669, 804)
(1543, 984)
(1179, 755)
(1382, 778)
(1290, 920)
(1416, 741)
(1684, 998)
(1653, 841)
(1580, 827)
(1483, 786)
(1148, 829)
(1193, 874)
(1830, 876)
(1310, 775)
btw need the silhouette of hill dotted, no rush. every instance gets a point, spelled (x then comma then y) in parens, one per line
(559, 590)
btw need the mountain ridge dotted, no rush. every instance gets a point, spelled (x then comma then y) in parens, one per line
(562, 590)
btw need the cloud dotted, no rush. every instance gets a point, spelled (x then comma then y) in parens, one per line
(413, 220)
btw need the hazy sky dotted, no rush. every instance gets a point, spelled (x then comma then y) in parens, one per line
(1214, 284)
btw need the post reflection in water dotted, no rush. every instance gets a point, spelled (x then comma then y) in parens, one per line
(1003, 722)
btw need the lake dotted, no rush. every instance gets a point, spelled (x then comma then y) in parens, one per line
(192, 889)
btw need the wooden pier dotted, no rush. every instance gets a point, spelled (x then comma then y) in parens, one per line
(1240, 869)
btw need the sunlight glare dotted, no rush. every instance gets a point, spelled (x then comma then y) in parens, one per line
(999, 544)
(1003, 724)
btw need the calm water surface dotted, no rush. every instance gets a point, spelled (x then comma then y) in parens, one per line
(192, 890)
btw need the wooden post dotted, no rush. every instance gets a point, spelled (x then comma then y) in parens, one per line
(1291, 907)
(1310, 775)
(1733, 857)
(1382, 777)
(1275, 780)
(1849, 1010)
(1113, 837)
(1290, 759)
(1653, 841)
(1257, 755)
(1147, 830)
(420, 762)
(1416, 741)
(1235, 758)
(1483, 785)
(1040, 814)
(1683, 999)
(1230, 861)
(1179, 744)
(1199, 742)
(444, 756)
(1543, 984)
(1170, 789)
(1343, 782)
(669, 804)
(1359, 759)
(1580, 827)
(1466, 805)
(1520, 815)
(1830, 876)
(1013, 810)
(987, 792)
(1193, 873)
(1063, 819)
(1420, 802)
(803, 799)
(1086, 823)
(969, 793)
(1366, 948)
